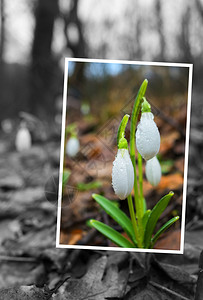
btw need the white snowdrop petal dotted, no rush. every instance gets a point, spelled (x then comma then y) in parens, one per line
(72, 147)
(122, 174)
(147, 136)
(153, 171)
(23, 140)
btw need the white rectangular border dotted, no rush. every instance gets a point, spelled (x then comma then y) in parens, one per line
(190, 66)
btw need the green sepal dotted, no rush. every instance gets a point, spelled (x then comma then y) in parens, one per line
(123, 144)
(146, 107)
(111, 234)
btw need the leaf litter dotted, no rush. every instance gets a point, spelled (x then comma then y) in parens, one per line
(31, 266)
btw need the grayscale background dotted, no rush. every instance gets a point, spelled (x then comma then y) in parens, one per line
(35, 37)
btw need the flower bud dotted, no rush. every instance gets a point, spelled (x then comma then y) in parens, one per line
(23, 139)
(153, 171)
(122, 174)
(147, 136)
(72, 146)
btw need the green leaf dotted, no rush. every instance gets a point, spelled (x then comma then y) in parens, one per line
(144, 205)
(163, 229)
(115, 213)
(71, 128)
(154, 216)
(111, 234)
(145, 218)
(88, 186)
(66, 175)
(166, 166)
(121, 129)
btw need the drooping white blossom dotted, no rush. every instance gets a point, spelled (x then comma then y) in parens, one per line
(147, 136)
(122, 174)
(23, 139)
(153, 171)
(72, 147)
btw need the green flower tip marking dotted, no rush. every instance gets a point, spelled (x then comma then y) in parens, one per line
(146, 107)
(123, 144)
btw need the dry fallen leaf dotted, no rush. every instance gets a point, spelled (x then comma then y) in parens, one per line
(171, 241)
(98, 283)
(74, 236)
(22, 293)
(170, 182)
(168, 141)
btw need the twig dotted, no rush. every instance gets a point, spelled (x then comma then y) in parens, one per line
(18, 259)
(163, 288)
(54, 290)
(93, 295)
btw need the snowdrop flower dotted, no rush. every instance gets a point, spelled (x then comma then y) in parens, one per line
(122, 173)
(72, 146)
(23, 139)
(147, 136)
(153, 171)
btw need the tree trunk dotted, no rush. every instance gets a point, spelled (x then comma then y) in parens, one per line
(79, 48)
(160, 30)
(2, 31)
(44, 79)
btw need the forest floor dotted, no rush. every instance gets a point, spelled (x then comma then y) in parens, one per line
(33, 268)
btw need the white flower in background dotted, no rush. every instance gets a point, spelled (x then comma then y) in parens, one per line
(72, 146)
(85, 109)
(7, 126)
(23, 139)
(147, 136)
(122, 174)
(153, 171)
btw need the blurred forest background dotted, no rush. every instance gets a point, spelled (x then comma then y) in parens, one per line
(35, 37)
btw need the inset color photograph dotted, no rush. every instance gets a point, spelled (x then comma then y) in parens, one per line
(124, 155)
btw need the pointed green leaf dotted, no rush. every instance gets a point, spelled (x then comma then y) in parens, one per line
(65, 177)
(154, 216)
(89, 186)
(145, 218)
(144, 203)
(115, 213)
(111, 234)
(163, 229)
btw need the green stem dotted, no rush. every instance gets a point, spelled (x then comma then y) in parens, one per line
(140, 179)
(134, 222)
(121, 129)
(134, 119)
(141, 200)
